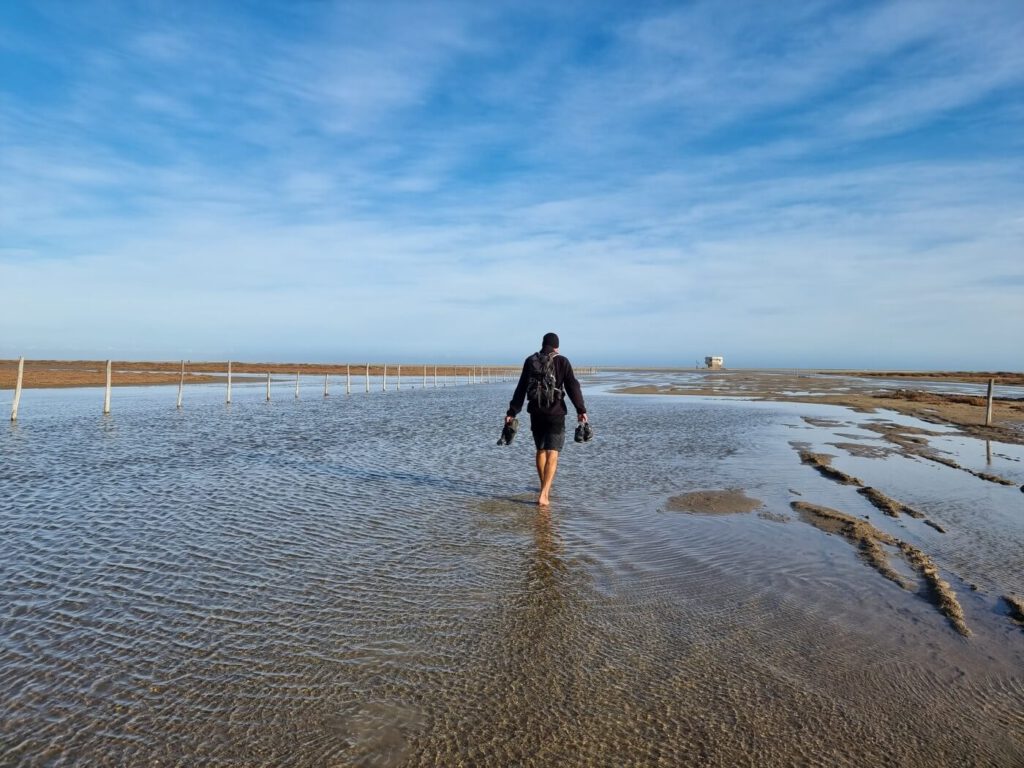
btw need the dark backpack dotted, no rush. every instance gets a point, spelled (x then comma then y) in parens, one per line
(542, 388)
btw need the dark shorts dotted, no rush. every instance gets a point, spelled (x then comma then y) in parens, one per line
(548, 434)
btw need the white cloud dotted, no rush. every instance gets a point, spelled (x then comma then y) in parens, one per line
(428, 175)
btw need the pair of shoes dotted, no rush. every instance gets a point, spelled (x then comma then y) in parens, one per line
(508, 433)
(583, 433)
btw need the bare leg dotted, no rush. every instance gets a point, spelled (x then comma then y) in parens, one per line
(550, 462)
(542, 460)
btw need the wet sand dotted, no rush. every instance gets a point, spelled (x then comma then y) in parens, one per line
(864, 392)
(714, 502)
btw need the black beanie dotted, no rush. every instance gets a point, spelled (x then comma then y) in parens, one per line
(550, 340)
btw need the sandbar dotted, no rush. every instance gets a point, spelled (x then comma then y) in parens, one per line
(714, 502)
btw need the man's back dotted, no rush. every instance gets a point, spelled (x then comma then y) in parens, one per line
(565, 382)
(547, 414)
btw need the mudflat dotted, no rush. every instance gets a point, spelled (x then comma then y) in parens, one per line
(912, 394)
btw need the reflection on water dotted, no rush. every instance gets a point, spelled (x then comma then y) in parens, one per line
(365, 580)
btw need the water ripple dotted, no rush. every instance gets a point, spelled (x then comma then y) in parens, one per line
(365, 580)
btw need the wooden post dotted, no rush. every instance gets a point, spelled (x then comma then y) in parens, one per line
(326, 375)
(268, 386)
(348, 379)
(367, 377)
(988, 410)
(106, 395)
(181, 384)
(398, 384)
(17, 389)
(296, 385)
(384, 379)
(228, 400)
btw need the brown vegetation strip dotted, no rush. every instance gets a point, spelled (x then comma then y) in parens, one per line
(868, 539)
(888, 504)
(823, 463)
(865, 451)
(937, 398)
(954, 465)
(1002, 377)
(40, 374)
(942, 595)
(1016, 608)
(912, 443)
(864, 535)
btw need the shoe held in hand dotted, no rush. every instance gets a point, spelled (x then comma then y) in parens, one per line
(508, 433)
(583, 432)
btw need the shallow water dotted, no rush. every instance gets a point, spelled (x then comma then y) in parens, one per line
(364, 580)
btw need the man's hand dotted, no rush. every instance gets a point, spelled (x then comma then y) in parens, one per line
(508, 419)
(581, 417)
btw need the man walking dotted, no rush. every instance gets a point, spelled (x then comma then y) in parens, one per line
(546, 379)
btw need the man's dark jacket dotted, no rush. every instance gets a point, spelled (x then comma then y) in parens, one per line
(565, 380)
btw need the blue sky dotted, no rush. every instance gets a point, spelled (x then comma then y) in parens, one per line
(785, 184)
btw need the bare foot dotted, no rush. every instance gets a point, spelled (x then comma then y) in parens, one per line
(543, 501)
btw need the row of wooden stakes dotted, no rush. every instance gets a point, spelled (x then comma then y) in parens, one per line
(450, 375)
